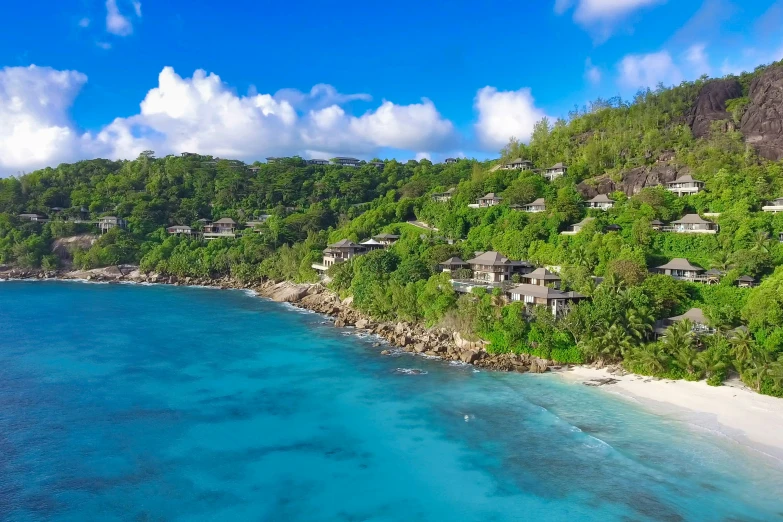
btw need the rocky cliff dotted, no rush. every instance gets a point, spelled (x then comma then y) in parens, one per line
(634, 180)
(710, 105)
(762, 123)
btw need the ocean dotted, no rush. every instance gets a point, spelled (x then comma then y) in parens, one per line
(153, 403)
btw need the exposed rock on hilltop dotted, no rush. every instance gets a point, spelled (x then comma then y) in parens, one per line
(762, 124)
(634, 180)
(710, 105)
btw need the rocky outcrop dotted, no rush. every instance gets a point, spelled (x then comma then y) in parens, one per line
(64, 247)
(762, 123)
(634, 180)
(710, 105)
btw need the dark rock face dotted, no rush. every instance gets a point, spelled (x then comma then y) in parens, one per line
(710, 105)
(762, 124)
(634, 180)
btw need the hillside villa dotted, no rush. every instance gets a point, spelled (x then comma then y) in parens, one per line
(518, 164)
(542, 277)
(538, 205)
(555, 171)
(180, 230)
(601, 202)
(692, 224)
(685, 186)
(443, 197)
(492, 267)
(774, 206)
(347, 162)
(490, 200)
(577, 227)
(450, 161)
(536, 295)
(35, 218)
(223, 227)
(452, 263)
(343, 250)
(701, 325)
(681, 269)
(109, 222)
(386, 239)
(371, 244)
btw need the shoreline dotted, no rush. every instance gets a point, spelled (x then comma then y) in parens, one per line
(749, 419)
(746, 418)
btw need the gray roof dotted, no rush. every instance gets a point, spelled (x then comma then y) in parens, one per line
(489, 258)
(746, 279)
(225, 221)
(692, 219)
(386, 236)
(679, 263)
(542, 273)
(344, 243)
(558, 165)
(454, 261)
(519, 161)
(601, 198)
(687, 178)
(656, 222)
(491, 195)
(713, 272)
(694, 314)
(538, 202)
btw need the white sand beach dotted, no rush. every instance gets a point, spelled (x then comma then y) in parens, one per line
(738, 413)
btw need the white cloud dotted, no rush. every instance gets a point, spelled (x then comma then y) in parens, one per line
(34, 104)
(423, 155)
(200, 114)
(137, 8)
(697, 60)
(116, 23)
(320, 96)
(103, 45)
(601, 17)
(647, 70)
(84, 22)
(504, 114)
(592, 72)
(749, 59)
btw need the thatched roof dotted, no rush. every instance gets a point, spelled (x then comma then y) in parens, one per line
(692, 219)
(694, 314)
(679, 263)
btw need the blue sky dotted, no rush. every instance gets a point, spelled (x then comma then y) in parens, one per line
(113, 77)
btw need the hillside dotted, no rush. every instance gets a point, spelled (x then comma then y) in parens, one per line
(726, 134)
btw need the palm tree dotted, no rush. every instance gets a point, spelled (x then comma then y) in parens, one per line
(612, 284)
(760, 241)
(742, 347)
(652, 358)
(686, 358)
(638, 322)
(711, 362)
(759, 367)
(776, 373)
(722, 260)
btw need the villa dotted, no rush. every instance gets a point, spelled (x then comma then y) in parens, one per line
(774, 206)
(601, 202)
(254, 170)
(555, 171)
(223, 227)
(443, 197)
(692, 224)
(386, 239)
(35, 218)
(371, 244)
(577, 227)
(745, 282)
(518, 164)
(378, 165)
(450, 161)
(492, 267)
(536, 295)
(343, 250)
(452, 263)
(542, 277)
(346, 162)
(700, 322)
(180, 230)
(109, 222)
(656, 224)
(681, 269)
(685, 186)
(538, 205)
(317, 162)
(490, 200)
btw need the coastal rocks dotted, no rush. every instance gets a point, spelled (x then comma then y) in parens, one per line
(538, 366)
(634, 180)
(600, 382)
(285, 292)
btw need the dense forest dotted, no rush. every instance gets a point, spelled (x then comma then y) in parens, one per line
(310, 206)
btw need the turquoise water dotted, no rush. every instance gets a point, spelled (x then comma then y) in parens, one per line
(122, 402)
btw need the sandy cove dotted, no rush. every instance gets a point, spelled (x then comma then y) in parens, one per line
(742, 415)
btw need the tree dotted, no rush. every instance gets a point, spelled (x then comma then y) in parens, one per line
(743, 347)
(631, 272)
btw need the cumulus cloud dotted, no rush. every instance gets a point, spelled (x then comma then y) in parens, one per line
(200, 114)
(34, 103)
(505, 114)
(697, 60)
(137, 8)
(647, 70)
(116, 22)
(601, 17)
(320, 96)
(84, 22)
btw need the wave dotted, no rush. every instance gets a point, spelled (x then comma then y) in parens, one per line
(410, 371)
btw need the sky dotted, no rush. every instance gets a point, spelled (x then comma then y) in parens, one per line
(110, 78)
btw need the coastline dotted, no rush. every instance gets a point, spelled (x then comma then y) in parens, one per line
(733, 410)
(741, 415)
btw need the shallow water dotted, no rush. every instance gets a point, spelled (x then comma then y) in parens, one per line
(122, 402)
